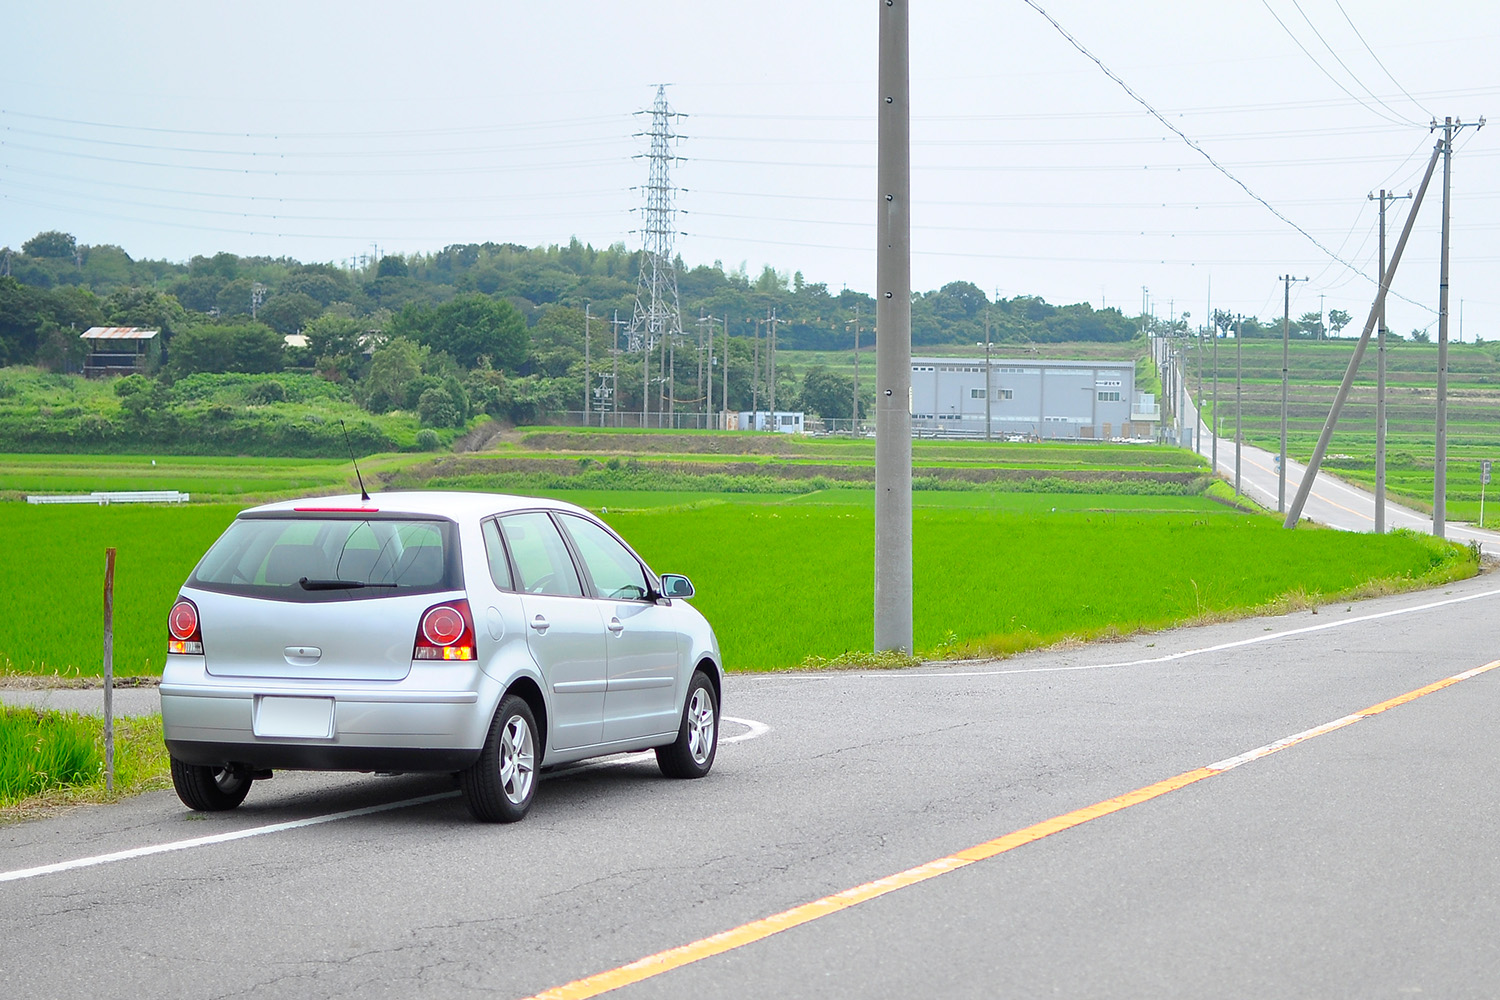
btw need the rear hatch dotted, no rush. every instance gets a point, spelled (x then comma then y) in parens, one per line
(322, 596)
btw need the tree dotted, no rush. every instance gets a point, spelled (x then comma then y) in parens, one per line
(1337, 320)
(474, 326)
(1421, 337)
(287, 312)
(1309, 325)
(394, 365)
(53, 244)
(145, 308)
(239, 347)
(827, 393)
(391, 267)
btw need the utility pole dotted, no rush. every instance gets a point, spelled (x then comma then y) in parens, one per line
(614, 381)
(1238, 400)
(1385, 196)
(755, 377)
(854, 410)
(1214, 415)
(771, 365)
(988, 392)
(1440, 460)
(588, 385)
(708, 396)
(726, 367)
(1286, 327)
(893, 508)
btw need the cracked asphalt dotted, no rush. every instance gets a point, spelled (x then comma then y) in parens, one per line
(1359, 864)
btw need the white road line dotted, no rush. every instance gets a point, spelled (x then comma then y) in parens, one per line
(1167, 658)
(755, 729)
(218, 838)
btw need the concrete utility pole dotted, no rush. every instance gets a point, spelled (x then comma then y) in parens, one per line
(988, 391)
(1214, 415)
(755, 378)
(708, 397)
(1385, 196)
(1238, 400)
(1286, 320)
(726, 367)
(893, 560)
(1440, 459)
(854, 412)
(1321, 448)
(588, 386)
(614, 381)
(771, 364)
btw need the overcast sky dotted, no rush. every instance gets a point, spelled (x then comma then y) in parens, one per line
(321, 131)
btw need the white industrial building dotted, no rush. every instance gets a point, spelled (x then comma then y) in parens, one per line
(1030, 398)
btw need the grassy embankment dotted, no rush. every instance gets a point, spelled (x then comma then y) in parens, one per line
(1411, 406)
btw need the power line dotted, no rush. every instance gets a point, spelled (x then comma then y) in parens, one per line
(1387, 72)
(1197, 148)
(1346, 68)
(1321, 68)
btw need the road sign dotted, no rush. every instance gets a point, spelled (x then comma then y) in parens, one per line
(1484, 472)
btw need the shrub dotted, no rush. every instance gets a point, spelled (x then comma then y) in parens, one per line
(427, 439)
(269, 391)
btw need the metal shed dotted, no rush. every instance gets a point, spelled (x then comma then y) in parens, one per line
(120, 350)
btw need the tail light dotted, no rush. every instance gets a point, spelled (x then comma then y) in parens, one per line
(445, 633)
(183, 632)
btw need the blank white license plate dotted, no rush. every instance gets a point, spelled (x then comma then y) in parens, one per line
(301, 718)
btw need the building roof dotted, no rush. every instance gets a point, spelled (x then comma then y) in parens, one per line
(996, 361)
(117, 333)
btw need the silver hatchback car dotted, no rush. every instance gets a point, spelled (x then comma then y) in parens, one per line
(481, 634)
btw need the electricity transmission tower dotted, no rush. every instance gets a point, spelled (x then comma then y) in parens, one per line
(658, 313)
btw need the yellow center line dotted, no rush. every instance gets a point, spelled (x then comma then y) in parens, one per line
(757, 930)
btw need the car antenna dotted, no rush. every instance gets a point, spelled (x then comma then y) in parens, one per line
(363, 494)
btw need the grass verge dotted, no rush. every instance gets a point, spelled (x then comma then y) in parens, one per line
(50, 759)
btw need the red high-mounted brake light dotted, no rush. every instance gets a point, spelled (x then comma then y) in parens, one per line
(446, 632)
(183, 632)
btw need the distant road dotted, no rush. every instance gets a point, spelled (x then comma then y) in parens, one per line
(1333, 501)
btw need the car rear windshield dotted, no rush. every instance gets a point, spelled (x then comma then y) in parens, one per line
(311, 559)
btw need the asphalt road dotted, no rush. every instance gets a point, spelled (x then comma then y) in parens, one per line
(1356, 862)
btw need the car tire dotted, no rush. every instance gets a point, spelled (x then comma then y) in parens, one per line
(691, 755)
(209, 788)
(500, 785)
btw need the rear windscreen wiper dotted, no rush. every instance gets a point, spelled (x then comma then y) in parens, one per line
(338, 584)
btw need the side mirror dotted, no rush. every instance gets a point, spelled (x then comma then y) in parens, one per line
(676, 585)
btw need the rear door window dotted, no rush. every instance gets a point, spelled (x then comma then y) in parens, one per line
(543, 565)
(494, 549)
(312, 559)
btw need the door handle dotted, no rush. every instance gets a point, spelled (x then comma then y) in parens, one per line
(540, 623)
(615, 626)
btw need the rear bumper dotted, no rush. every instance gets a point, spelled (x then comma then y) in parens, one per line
(434, 719)
(286, 755)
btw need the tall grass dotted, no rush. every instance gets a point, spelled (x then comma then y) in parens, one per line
(60, 755)
(43, 750)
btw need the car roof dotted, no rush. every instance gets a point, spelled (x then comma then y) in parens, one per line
(459, 506)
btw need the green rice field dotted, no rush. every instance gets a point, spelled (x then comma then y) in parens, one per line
(780, 580)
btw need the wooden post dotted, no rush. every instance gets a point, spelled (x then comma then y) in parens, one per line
(109, 669)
